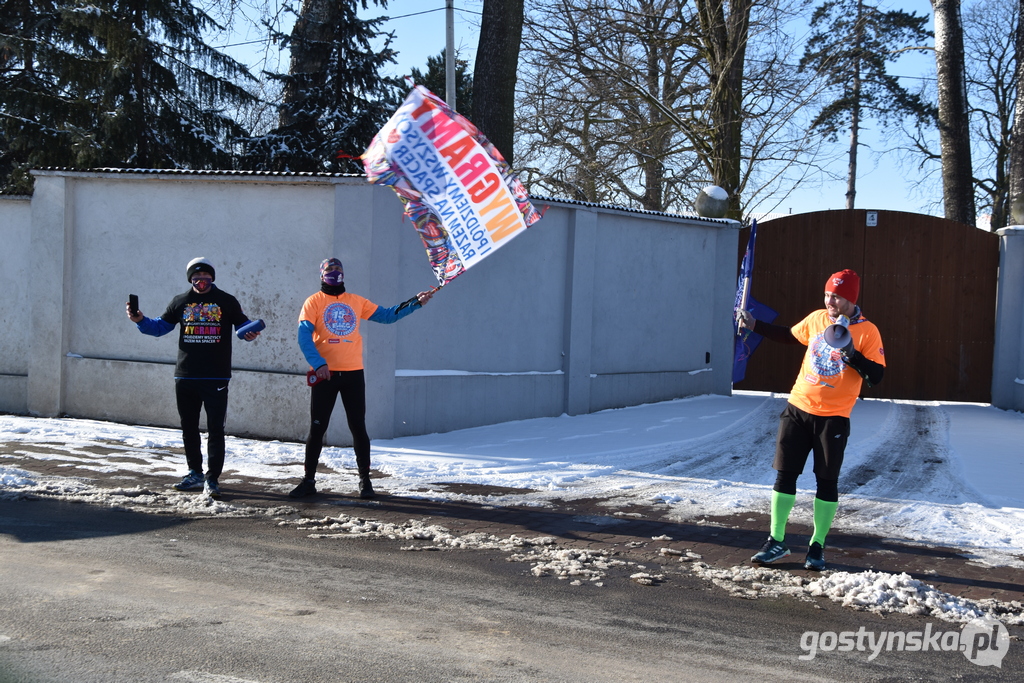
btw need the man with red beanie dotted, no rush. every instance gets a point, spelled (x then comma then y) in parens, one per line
(817, 417)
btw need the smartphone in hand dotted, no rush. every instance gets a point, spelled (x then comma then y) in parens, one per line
(133, 303)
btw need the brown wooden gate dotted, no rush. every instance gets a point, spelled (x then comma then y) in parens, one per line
(928, 283)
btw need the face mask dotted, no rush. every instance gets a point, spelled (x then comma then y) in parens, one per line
(333, 278)
(202, 285)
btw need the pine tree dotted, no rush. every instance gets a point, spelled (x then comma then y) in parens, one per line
(42, 122)
(850, 48)
(334, 99)
(434, 80)
(121, 83)
(162, 96)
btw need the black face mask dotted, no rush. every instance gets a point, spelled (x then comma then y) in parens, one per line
(333, 290)
(202, 285)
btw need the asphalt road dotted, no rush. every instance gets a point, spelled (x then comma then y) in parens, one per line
(91, 594)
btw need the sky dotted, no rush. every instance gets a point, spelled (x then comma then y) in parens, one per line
(680, 456)
(419, 27)
(419, 33)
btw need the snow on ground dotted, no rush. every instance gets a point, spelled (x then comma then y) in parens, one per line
(935, 473)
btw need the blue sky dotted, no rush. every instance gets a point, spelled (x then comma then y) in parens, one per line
(419, 28)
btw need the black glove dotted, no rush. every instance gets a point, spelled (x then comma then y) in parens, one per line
(847, 351)
(415, 301)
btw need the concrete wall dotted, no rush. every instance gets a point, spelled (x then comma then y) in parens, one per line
(591, 308)
(1008, 357)
(15, 229)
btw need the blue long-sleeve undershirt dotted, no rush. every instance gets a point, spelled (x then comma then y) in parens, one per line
(395, 313)
(382, 315)
(307, 346)
(154, 327)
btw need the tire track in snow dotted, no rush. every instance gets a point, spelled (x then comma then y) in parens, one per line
(741, 452)
(913, 461)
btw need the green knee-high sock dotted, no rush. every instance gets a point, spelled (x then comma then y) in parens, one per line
(782, 505)
(824, 513)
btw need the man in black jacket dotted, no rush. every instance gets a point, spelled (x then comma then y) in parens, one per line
(206, 315)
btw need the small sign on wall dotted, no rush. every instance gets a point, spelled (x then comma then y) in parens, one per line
(872, 219)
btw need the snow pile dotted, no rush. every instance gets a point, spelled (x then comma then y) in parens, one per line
(883, 593)
(752, 582)
(133, 499)
(872, 591)
(438, 537)
(569, 563)
(543, 553)
(14, 479)
(645, 579)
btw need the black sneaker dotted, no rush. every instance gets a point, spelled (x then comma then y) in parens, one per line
(193, 481)
(771, 551)
(366, 489)
(815, 558)
(306, 487)
(212, 489)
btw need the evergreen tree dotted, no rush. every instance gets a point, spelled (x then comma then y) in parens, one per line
(851, 45)
(434, 80)
(334, 99)
(162, 96)
(121, 83)
(42, 122)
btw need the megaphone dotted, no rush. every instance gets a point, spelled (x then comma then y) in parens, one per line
(837, 335)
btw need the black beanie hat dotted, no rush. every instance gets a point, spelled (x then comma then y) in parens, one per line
(199, 264)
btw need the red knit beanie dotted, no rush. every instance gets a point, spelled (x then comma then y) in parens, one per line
(845, 283)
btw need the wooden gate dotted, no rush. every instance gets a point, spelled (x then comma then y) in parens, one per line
(928, 283)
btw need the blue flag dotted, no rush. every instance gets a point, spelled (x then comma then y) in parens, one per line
(746, 341)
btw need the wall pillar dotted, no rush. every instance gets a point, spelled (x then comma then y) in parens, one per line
(1008, 356)
(49, 274)
(579, 309)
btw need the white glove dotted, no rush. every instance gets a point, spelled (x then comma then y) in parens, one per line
(745, 319)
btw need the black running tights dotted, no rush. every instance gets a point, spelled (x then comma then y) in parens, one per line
(352, 387)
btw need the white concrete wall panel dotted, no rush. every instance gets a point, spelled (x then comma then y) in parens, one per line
(136, 237)
(655, 279)
(590, 308)
(15, 280)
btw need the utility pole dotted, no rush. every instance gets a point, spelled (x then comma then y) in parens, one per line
(449, 52)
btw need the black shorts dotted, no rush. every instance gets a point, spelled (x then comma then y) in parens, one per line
(801, 433)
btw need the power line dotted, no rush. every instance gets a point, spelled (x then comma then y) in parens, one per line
(400, 16)
(430, 11)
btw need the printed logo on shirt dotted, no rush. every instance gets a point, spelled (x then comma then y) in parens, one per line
(824, 358)
(201, 323)
(340, 319)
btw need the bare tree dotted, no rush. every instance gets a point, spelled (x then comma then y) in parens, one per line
(954, 117)
(1016, 161)
(989, 29)
(724, 35)
(593, 110)
(633, 102)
